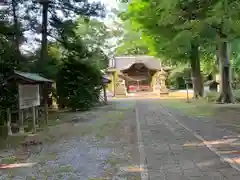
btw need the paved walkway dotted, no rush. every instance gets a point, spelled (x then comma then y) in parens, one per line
(176, 149)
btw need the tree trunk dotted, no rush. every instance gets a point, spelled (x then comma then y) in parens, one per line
(196, 71)
(16, 31)
(44, 32)
(226, 95)
(43, 56)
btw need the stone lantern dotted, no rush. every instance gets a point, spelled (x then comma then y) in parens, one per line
(162, 78)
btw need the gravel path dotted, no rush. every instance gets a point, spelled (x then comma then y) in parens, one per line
(175, 147)
(76, 158)
(175, 151)
(83, 147)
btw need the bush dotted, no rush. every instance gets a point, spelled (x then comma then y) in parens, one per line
(78, 84)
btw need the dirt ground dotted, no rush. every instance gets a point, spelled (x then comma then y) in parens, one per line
(82, 145)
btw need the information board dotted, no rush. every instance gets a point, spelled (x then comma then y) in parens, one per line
(28, 96)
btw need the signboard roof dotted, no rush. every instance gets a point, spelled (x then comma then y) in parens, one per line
(32, 76)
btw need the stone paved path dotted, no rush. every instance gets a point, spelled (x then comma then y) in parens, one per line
(173, 152)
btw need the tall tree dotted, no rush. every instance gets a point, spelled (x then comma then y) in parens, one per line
(132, 41)
(223, 16)
(14, 4)
(167, 23)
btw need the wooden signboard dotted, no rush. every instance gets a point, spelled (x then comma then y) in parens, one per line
(28, 96)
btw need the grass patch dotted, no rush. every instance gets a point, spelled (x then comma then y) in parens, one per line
(9, 160)
(194, 108)
(11, 141)
(14, 141)
(213, 96)
(64, 169)
(102, 127)
(53, 119)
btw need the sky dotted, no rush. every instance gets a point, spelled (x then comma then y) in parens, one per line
(109, 21)
(109, 4)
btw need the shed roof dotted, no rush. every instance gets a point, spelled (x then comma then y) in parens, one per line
(32, 77)
(210, 82)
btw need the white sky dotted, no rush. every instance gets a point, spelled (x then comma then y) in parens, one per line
(109, 4)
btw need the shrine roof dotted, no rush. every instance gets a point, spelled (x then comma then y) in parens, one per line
(125, 62)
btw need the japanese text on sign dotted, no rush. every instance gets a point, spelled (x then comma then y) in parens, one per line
(28, 96)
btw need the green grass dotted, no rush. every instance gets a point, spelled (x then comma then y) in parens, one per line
(194, 108)
(9, 160)
(64, 169)
(212, 96)
(11, 141)
(103, 126)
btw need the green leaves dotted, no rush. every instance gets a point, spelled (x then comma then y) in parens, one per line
(78, 84)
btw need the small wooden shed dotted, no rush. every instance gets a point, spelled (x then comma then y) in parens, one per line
(210, 86)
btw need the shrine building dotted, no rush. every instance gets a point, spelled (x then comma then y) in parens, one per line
(133, 74)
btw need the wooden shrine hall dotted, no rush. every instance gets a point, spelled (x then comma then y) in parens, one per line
(133, 74)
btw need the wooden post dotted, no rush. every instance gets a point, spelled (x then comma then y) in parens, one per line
(187, 81)
(104, 93)
(9, 120)
(20, 114)
(114, 82)
(187, 92)
(21, 121)
(46, 102)
(37, 118)
(34, 119)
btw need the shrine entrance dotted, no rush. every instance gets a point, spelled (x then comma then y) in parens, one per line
(138, 78)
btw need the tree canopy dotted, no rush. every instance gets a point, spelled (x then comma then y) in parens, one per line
(59, 30)
(190, 32)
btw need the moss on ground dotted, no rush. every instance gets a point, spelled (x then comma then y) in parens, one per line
(194, 108)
